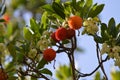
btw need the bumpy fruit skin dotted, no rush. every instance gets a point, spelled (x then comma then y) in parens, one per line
(53, 37)
(70, 33)
(3, 75)
(75, 22)
(49, 54)
(61, 33)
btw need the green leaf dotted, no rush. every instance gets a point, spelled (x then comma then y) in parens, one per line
(12, 78)
(27, 33)
(98, 39)
(2, 20)
(11, 48)
(67, 8)
(19, 57)
(54, 26)
(115, 75)
(118, 26)
(65, 41)
(46, 71)
(80, 7)
(44, 21)
(112, 28)
(34, 26)
(81, 3)
(10, 67)
(1, 39)
(97, 76)
(48, 8)
(59, 9)
(42, 64)
(57, 1)
(87, 7)
(74, 4)
(32, 78)
(9, 30)
(118, 40)
(104, 33)
(64, 73)
(95, 10)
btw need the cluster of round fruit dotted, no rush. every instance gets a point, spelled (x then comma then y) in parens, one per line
(113, 52)
(3, 75)
(62, 33)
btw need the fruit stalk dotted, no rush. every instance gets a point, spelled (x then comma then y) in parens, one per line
(71, 57)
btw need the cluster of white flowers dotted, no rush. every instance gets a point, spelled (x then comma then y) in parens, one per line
(32, 53)
(44, 41)
(113, 52)
(91, 25)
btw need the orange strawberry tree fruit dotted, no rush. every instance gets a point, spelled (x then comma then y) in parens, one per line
(24, 55)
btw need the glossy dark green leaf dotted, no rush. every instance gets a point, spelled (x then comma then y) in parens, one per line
(9, 30)
(87, 7)
(64, 73)
(44, 21)
(59, 9)
(34, 26)
(46, 71)
(79, 7)
(1, 39)
(81, 4)
(27, 33)
(104, 33)
(74, 4)
(115, 75)
(19, 57)
(98, 39)
(67, 8)
(12, 78)
(54, 26)
(57, 1)
(95, 10)
(112, 28)
(48, 8)
(41, 63)
(118, 40)
(2, 20)
(32, 78)
(65, 41)
(97, 76)
(118, 28)
(10, 67)
(11, 48)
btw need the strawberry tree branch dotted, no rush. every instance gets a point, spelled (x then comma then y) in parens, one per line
(89, 74)
(99, 57)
